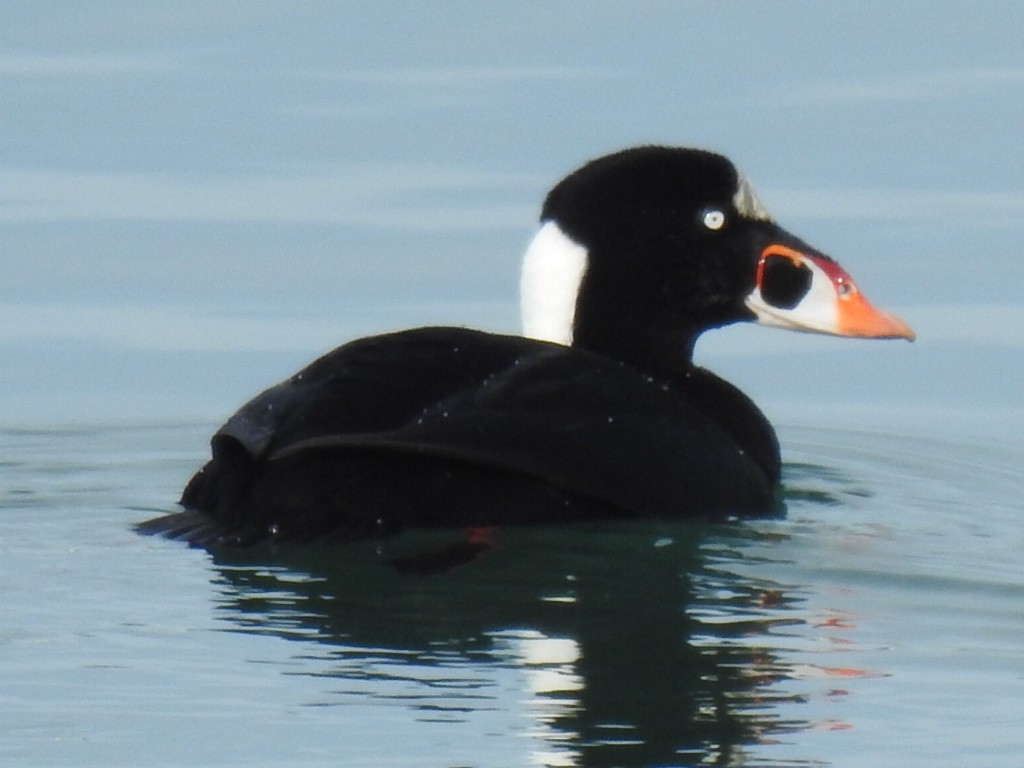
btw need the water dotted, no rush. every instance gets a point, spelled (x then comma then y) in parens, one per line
(880, 619)
(231, 190)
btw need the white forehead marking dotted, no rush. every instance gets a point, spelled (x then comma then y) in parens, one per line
(553, 269)
(746, 201)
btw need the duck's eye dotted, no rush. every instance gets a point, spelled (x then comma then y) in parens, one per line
(713, 218)
(784, 282)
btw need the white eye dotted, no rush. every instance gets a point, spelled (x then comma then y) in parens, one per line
(713, 218)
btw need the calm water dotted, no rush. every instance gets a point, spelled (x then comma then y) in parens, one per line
(878, 624)
(230, 190)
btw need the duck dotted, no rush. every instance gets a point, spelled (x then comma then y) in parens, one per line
(595, 411)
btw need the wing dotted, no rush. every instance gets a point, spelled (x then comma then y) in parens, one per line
(373, 384)
(444, 426)
(583, 424)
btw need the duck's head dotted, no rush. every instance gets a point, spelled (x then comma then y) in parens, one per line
(641, 251)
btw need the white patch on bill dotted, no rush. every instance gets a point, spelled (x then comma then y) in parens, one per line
(816, 312)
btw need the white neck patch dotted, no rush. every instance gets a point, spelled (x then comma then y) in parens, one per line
(553, 270)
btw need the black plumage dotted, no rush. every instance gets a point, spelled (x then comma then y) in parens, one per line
(457, 427)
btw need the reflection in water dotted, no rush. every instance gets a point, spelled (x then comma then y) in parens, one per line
(615, 645)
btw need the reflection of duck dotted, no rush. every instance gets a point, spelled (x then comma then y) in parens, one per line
(627, 644)
(601, 413)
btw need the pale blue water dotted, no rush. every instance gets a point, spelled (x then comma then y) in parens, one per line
(195, 200)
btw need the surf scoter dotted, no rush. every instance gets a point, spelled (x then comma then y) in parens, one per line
(596, 411)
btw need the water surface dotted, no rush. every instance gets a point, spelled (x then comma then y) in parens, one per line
(883, 609)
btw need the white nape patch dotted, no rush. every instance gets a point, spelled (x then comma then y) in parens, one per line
(553, 270)
(746, 200)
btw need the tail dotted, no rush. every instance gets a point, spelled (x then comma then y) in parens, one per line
(211, 500)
